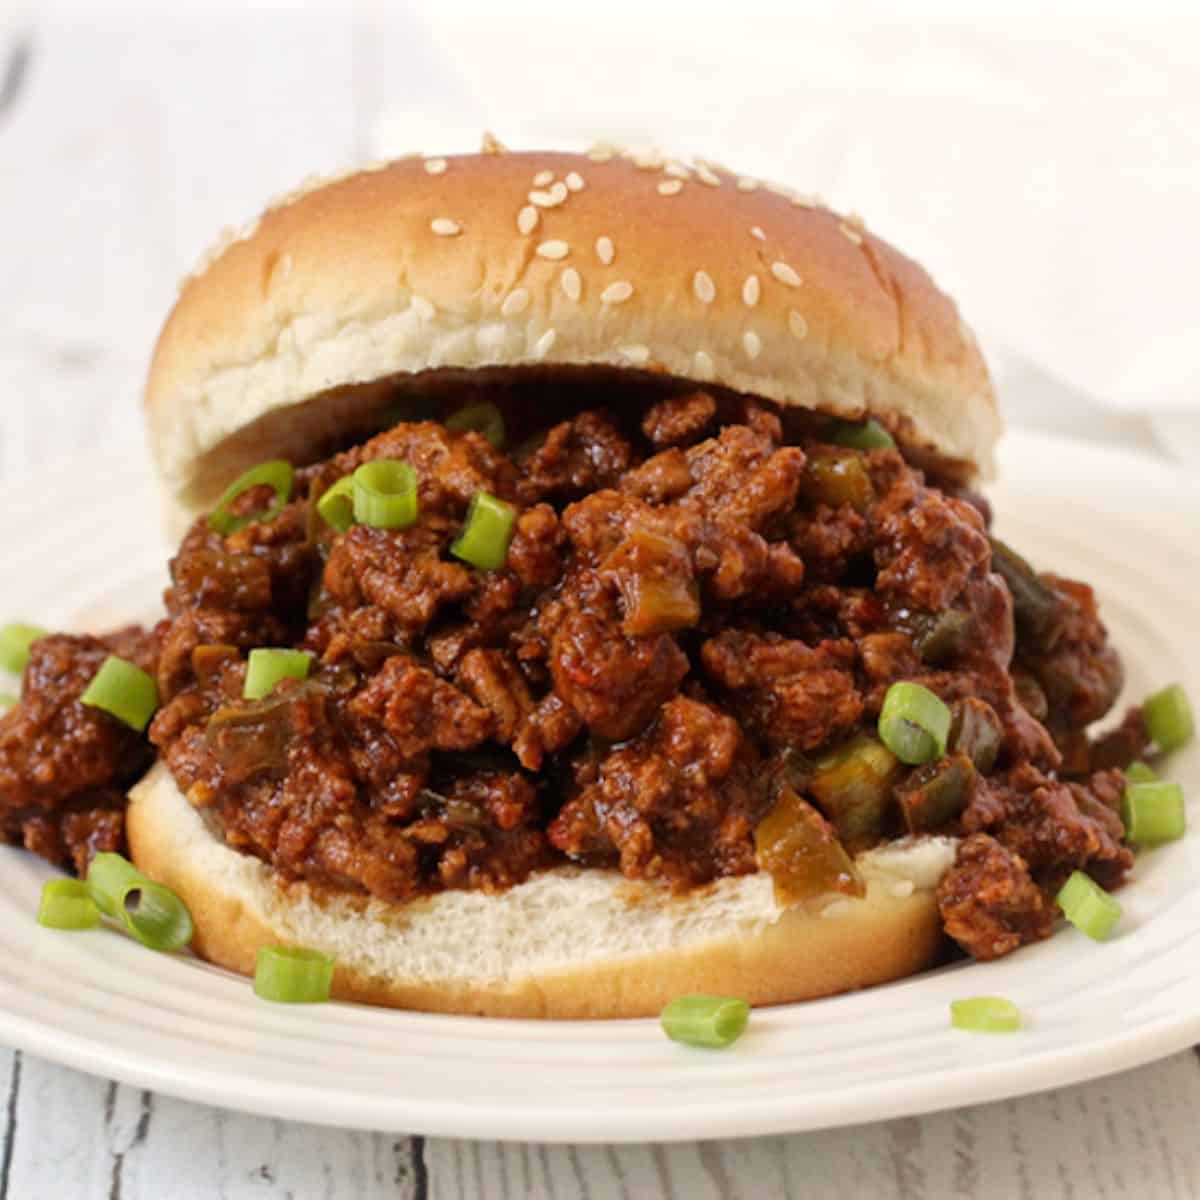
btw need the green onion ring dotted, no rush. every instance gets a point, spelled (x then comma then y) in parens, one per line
(714, 1021)
(914, 724)
(15, 641)
(1168, 717)
(123, 691)
(293, 975)
(1140, 772)
(486, 533)
(1153, 813)
(266, 667)
(1088, 906)
(385, 494)
(67, 904)
(483, 418)
(985, 1014)
(155, 916)
(109, 877)
(864, 435)
(278, 475)
(336, 505)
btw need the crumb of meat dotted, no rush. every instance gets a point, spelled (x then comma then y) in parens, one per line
(989, 903)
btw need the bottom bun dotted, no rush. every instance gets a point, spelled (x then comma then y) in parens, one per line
(568, 943)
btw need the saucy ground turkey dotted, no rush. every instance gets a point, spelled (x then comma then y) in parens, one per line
(703, 606)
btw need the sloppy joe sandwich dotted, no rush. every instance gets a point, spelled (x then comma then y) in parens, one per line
(583, 598)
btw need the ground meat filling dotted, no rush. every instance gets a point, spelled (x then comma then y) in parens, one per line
(695, 599)
(63, 765)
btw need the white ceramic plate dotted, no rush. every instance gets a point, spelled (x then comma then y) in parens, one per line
(82, 549)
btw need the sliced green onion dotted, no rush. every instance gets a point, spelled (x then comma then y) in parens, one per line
(336, 505)
(278, 475)
(293, 975)
(484, 418)
(123, 691)
(985, 1014)
(864, 435)
(1168, 717)
(155, 916)
(7, 701)
(486, 533)
(1140, 772)
(15, 641)
(1153, 813)
(914, 723)
(1088, 906)
(109, 877)
(66, 904)
(716, 1021)
(266, 668)
(385, 494)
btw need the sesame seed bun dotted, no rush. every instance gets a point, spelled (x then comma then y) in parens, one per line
(568, 943)
(498, 261)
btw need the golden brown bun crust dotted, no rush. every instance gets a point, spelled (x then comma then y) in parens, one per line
(350, 283)
(798, 955)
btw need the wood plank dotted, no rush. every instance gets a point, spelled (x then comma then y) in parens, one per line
(77, 1136)
(1127, 1136)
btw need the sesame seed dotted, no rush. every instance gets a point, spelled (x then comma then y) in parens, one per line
(517, 301)
(553, 249)
(746, 184)
(703, 286)
(617, 293)
(670, 187)
(852, 234)
(575, 181)
(677, 170)
(798, 325)
(492, 144)
(856, 222)
(600, 156)
(752, 343)
(435, 166)
(423, 308)
(780, 189)
(751, 290)
(647, 162)
(552, 198)
(702, 365)
(756, 232)
(802, 201)
(543, 179)
(545, 343)
(709, 177)
(572, 285)
(527, 219)
(605, 251)
(445, 227)
(637, 355)
(785, 274)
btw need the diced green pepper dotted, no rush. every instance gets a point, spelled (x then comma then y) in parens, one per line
(800, 850)
(936, 794)
(853, 786)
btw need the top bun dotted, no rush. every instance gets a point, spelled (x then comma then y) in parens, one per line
(504, 260)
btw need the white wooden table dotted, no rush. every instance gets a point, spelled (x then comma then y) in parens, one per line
(124, 143)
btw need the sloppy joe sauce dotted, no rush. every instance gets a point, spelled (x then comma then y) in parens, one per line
(694, 596)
